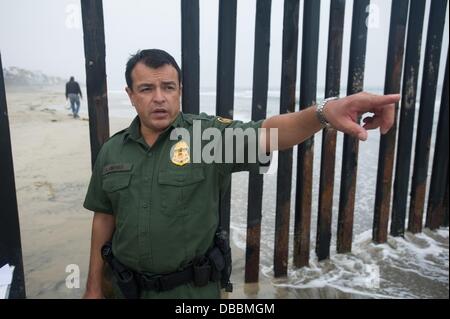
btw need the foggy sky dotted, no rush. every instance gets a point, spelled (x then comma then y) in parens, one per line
(47, 35)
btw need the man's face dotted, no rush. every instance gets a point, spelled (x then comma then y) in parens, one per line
(155, 95)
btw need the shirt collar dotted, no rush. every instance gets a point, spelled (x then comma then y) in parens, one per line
(134, 130)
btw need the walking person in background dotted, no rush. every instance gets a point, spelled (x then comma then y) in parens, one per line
(73, 92)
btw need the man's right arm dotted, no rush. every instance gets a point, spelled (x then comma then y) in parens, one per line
(102, 230)
(293, 128)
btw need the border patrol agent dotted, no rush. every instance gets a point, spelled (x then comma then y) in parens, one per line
(159, 208)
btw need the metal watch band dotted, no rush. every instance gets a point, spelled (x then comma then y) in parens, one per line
(319, 111)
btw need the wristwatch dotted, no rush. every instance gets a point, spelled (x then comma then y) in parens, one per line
(319, 111)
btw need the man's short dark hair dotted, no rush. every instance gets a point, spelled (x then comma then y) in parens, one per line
(153, 58)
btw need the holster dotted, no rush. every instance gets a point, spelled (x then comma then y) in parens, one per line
(220, 258)
(125, 278)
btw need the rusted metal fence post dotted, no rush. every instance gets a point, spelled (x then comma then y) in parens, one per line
(328, 154)
(10, 244)
(94, 51)
(436, 211)
(305, 157)
(394, 67)
(407, 114)
(355, 84)
(259, 106)
(426, 114)
(445, 223)
(287, 104)
(225, 82)
(190, 61)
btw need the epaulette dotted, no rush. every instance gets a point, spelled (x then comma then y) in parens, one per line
(213, 119)
(117, 133)
(202, 116)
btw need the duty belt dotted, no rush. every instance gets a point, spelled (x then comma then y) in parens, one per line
(199, 272)
(166, 282)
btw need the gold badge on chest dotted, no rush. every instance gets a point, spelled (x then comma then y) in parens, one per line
(180, 153)
(224, 120)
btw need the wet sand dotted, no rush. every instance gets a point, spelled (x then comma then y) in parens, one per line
(52, 169)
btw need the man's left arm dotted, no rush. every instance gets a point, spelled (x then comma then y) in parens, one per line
(342, 114)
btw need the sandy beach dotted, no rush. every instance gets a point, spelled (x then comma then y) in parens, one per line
(52, 170)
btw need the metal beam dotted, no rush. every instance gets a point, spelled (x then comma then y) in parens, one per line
(328, 154)
(10, 244)
(436, 210)
(394, 67)
(287, 104)
(355, 84)
(259, 106)
(190, 56)
(94, 51)
(426, 114)
(305, 155)
(407, 114)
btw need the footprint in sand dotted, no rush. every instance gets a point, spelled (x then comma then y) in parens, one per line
(49, 186)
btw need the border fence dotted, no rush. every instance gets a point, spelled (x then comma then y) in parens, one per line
(395, 149)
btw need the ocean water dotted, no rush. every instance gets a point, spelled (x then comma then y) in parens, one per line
(415, 266)
(410, 267)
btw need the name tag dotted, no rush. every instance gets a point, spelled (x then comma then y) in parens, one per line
(123, 167)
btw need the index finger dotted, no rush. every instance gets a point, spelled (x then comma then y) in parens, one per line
(380, 100)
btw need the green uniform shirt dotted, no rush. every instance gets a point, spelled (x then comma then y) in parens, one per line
(166, 214)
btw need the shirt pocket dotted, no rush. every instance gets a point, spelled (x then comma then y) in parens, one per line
(179, 190)
(116, 186)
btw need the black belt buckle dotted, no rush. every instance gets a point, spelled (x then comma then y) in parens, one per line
(151, 282)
